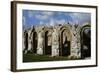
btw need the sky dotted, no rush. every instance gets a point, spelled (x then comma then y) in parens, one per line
(51, 18)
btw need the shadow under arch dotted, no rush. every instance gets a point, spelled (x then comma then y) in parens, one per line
(65, 41)
(85, 40)
(35, 41)
(48, 39)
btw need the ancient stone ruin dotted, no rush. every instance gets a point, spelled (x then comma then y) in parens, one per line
(59, 40)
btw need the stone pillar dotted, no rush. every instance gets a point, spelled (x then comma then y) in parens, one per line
(25, 42)
(29, 41)
(55, 43)
(40, 43)
(79, 45)
(75, 43)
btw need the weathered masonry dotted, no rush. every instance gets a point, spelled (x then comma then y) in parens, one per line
(59, 40)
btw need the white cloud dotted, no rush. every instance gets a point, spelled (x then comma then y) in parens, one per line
(30, 14)
(41, 22)
(52, 22)
(80, 18)
(41, 17)
(62, 21)
(47, 13)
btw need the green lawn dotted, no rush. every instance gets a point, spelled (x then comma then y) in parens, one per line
(37, 58)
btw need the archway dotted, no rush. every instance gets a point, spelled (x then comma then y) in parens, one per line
(34, 42)
(47, 43)
(65, 43)
(86, 42)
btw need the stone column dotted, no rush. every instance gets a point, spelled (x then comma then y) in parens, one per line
(29, 41)
(40, 43)
(55, 43)
(25, 42)
(75, 43)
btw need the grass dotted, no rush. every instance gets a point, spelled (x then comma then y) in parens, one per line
(37, 58)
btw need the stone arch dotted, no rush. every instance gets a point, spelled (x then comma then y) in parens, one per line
(65, 41)
(85, 40)
(48, 40)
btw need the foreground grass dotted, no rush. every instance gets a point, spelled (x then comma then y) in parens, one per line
(37, 58)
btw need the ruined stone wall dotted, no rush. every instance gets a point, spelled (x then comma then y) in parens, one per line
(71, 32)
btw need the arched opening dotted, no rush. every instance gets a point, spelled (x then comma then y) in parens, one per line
(65, 43)
(86, 42)
(34, 42)
(47, 43)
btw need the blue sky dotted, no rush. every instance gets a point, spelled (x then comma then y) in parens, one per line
(51, 18)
